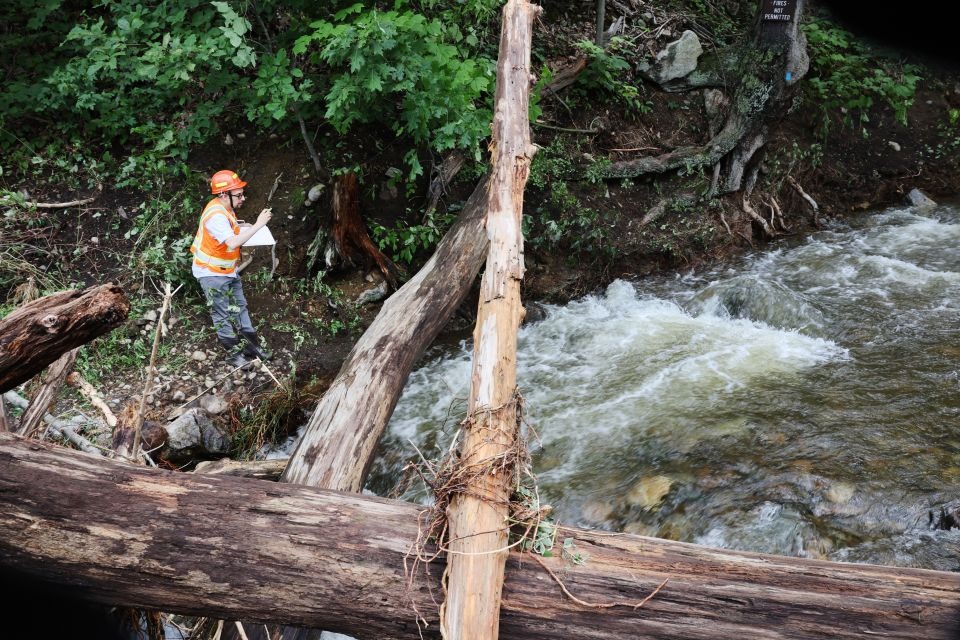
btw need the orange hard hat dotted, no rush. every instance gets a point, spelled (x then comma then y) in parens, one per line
(225, 180)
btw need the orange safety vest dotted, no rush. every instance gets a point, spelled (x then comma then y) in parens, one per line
(208, 251)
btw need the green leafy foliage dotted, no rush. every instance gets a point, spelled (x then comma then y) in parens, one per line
(561, 219)
(605, 74)
(405, 242)
(148, 75)
(403, 70)
(847, 77)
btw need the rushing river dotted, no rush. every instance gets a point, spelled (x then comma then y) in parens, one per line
(804, 401)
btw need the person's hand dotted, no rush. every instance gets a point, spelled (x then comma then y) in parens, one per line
(264, 217)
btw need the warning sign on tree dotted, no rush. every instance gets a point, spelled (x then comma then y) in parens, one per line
(778, 10)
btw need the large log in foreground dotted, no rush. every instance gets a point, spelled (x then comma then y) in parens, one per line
(253, 550)
(40, 331)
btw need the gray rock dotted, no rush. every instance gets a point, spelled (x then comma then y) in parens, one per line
(374, 294)
(213, 404)
(214, 440)
(183, 434)
(192, 434)
(919, 199)
(676, 60)
(315, 192)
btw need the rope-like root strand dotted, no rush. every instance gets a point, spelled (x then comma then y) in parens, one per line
(527, 516)
(593, 605)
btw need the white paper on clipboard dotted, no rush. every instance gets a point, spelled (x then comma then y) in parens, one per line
(261, 238)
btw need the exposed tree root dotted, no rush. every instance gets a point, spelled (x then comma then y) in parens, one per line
(594, 605)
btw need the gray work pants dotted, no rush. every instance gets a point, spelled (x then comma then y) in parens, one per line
(228, 307)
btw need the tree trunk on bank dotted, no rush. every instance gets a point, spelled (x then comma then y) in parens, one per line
(477, 516)
(233, 548)
(338, 444)
(349, 233)
(40, 331)
(769, 71)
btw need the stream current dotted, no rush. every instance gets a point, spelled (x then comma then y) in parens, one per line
(804, 401)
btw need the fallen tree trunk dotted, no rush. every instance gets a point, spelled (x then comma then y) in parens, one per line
(40, 331)
(232, 548)
(337, 446)
(479, 509)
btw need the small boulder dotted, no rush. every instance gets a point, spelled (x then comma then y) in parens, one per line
(919, 199)
(676, 60)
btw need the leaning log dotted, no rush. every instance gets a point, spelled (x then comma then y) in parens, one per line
(478, 513)
(39, 332)
(233, 548)
(338, 444)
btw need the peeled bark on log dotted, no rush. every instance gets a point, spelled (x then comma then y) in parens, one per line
(337, 446)
(40, 331)
(260, 469)
(232, 548)
(477, 516)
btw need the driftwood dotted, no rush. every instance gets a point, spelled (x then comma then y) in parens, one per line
(55, 205)
(260, 469)
(41, 400)
(93, 397)
(478, 513)
(39, 332)
(232, 548)
(337, 446)
(58, 427)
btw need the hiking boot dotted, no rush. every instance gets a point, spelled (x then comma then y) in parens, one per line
(237, 359)
(252, 348)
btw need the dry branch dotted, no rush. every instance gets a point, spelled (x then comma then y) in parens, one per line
(93, 397)
(58, 205)
(40, 402)
(340, 440)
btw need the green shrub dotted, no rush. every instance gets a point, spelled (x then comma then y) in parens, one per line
(847, 77)
(408, 72)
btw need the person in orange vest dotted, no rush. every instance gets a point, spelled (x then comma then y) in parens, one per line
(216, 252)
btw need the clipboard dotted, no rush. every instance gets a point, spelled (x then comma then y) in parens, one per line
(261, 238)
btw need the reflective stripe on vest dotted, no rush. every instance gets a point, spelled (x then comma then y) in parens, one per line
(210, 253)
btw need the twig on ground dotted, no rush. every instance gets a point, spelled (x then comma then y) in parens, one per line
(58, 205)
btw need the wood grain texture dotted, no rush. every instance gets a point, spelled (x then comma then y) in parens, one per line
(236, 548)
(39, 332)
